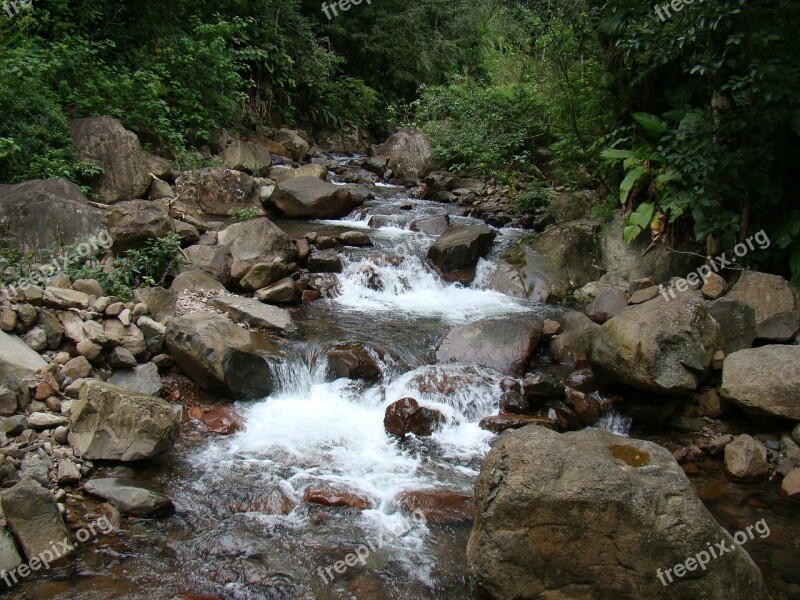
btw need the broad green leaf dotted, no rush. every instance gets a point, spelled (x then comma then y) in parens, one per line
(631, 179)
(614, 154)
(650, 123)
(642, 216)
(630, 233)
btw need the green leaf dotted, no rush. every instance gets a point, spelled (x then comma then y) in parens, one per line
(642, 216)
(631, 179)
(614, 154)
(650, 123)
(630, 233)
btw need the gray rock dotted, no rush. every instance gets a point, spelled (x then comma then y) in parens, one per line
(435, 225)
(310, 197)
(248, 157)
(770, 296)
(8, 402)
(36, 339)
(35, 468)
(408, 152)
(134, 222)
(129, 337)
(325, 262)
(9, 555)
(216, 191)
(143, 379)
(41, 420)
(154, 334)
(746, 459)
(571, 345)
(461, 247)
(121, 358)
(215, 261)
(292, 142)
(65, 299)
(737, 321)
(286, 291)
(17, 359)
(195, 280)
(254, 313)
(607, 305)
(160, 301)
(68, 473)
(253, 242)
(129, 496)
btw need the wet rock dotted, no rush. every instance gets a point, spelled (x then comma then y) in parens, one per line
(501, 423)
(133, 222)
(336, 498)
(572, 344)
(606, 305)
(461, 247)
(325, 262)
(285, 291)
(539, 387)
(507, 280)
(219, 419)
(220, 357)
(587, 407)
(514, 402)
(30, 209)
(17, 360)
(216, 191)
(764, 380)
(354, 238)
(406, 416)
(143, 379)
(505, 344)
(439, 507)
(548, 504)
(582, 380)
(746, 459)
(254, 313)
(310, 197)
(790, 486)
(195, 280)
(353, 361)
(660, 346)
(562, 415)
(770, 296)
(436, 225)
(129, 496)
(255, 242)
(737, 321)
(408, 152)
(111, 423)
(34, 518)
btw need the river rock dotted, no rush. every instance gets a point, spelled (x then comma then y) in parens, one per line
(216, 191)
(214, 261)
(746, 459)
(248, 157)
(436, 225)
(608, 304)
(112, 423)
(358, 239)
(254, 313)
(336, 498)
(660, 346)
(408, 152)
(293, 142)
(501, 423)
(771, 296)
(132, 223)
(129, 496)
(220, 419)
(505, 344)
(548, 505)
(312, 198)
(461, 247)
(221, 357)
(439, 507)
(585, 406)
(34, 518)
(285, 291)
(354, 361)
(406, 416)
(263, 275)
(325, 262)
(790, 486)
(17, 360)
(309, 170)
(46, 213)
(254, 242)
(571, 345)
(143, 379)
(104, 142)
(764, 380)
(195, 280)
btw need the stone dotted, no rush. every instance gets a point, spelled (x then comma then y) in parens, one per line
(155, 334)
(461, 247)
(111, 423)
(439, 506)
(408, 152)
(195, 280)
(33, 467)
(36, 338)
(129, 496)
(17, 359)
(571, 346)
(64, 299)
(660, 346)
(714, 287)
(506, 344)
(358, 239)
(796, 433)
(40, 421)
(608, 304)
(8, 320)
(336, 498)
(104, 142)
(248, 157)
(221, 357)
(294, 144)
(159, 167)
(790, 486)
(354, 361)
(406, 416)
(129, 337)
(216, 191)
(187, 234)
(143, 379)
(746, 459)
(254, 313)
(538, 387)
(737, 321)
(585, 406)
(9, 555)
(263, 275)
(215, 261)
(551, 327)
(310, 197)
(281, 173)
(219, 419)
(549, 504)
(501, 423)
(89, 350)
(764, 380)
(644, 295)
(770, 296)
(436, 225)
(160, 301)
(254, 242)
(134, 222)
(48, 322)
(8, 402)
(325, 262)
(285, 291)
(120, 358)
(68, 473)
(32, 209)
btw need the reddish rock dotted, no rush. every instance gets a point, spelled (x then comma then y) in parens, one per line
(220, 418)
(790, 487)
(499, 423)
(587, 407)
(440, 507)
(407, 416)
(353, 361)
(424, 421)
(336, 498)
(273, 502)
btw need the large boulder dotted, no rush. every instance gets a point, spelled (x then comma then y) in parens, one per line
(143, 379)
(461, 247)
(764, 380)
(505, 344)
(310, 197)
(112, 423)
(46, 213)
(221, 357)
(103, 141)
(309, 170)
(737, 321)
(409, 153)
(132, 223)
(35, 520)
(17, 359)
(590, 514)
(215, 261)
(253, 242)
(571, 345)
(775, 303)
(216, 191)
(662, 346)
(293, 142)
(195, 280)
(160, 301)
(253, 313)
(350, 139)
(248, 157)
